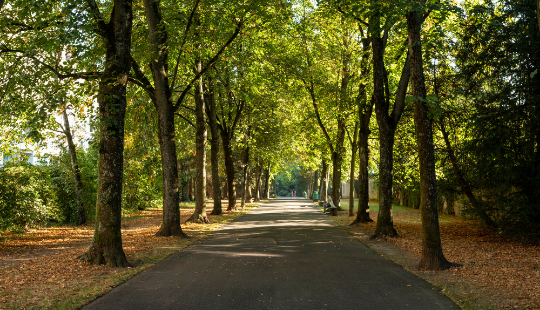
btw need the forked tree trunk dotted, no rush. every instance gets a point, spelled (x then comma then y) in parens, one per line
(106, 247)
(385, 224)
(387, 124)
(79, 189)
(432, 255)
(162, 98)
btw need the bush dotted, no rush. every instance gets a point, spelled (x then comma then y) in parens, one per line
(62, 183)
(25, 197)
(142, 184)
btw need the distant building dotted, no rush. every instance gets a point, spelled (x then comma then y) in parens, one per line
(373, 189)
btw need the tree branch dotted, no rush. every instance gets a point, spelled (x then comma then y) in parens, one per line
(340, 9)
(399, 104)
(184, 118)
(98, 17)
(310, 89)
(188, 26)
(140, 79)
(209, 64)
(78, 75)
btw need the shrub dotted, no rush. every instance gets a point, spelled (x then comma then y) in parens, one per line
(25, 197)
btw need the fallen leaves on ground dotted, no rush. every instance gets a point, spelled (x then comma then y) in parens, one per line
(41, 268)
(496, 273)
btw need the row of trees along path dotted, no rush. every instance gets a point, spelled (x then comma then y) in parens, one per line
(258, 75)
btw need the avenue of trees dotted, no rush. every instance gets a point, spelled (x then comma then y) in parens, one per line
(154, 102)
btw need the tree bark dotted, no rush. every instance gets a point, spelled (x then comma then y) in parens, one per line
(79, 189)
(161, 96)
(249, 191)
(245, 168)
(387, 124)
(200, 148)
(324, 175)
(432, 254)
(266, 194)
(365, 109)
(214, 146)
(227, 125)
(258, 181)
(354, 145)
(538, 12)
(106, 247)
(337, 160)
(315, 183)
(229, 171)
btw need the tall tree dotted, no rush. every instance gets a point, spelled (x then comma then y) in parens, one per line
(79, 189)
(161, 94)
(432, 255)
(200, 146)
(354, 146)
(214, 142)
(106, 245)
(387, 122)
(230, 112)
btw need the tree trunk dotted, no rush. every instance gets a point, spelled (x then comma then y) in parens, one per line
(214, 146)
(229, 171)
(354, 144)
(324, 175)
(315, 184)
(387, 123)
(432, 255)
(200, 148)
(245, 184)
(258, 181)
(162, 99)
(106, 247)
(337, 160)
(79, 189)
(538, 12)
(267, 183)
(249, 191)
(385, 224)
(365, 110)
(362, 216)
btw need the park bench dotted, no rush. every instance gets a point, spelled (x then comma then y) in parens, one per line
(333, 210)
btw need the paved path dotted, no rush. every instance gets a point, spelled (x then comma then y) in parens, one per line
(283, 255)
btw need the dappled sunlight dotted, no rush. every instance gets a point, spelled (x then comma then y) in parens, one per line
(279, 223)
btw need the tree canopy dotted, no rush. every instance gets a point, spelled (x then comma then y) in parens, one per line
(438, 102)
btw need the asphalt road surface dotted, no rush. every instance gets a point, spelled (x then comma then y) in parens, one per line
(283, 255)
